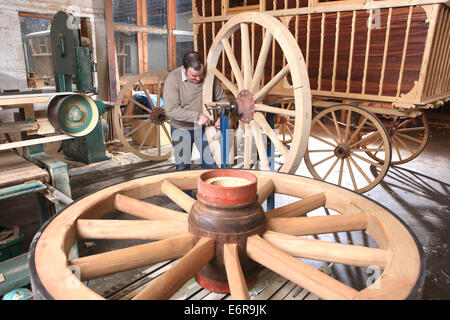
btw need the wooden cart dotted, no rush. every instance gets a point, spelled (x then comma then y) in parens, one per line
(388, 58)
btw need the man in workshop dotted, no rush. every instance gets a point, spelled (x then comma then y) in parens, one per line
(182, 96)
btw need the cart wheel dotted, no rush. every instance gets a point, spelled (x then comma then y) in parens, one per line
(340, 137)
(249, 91)
(408, 136)
(207, 240)
(285, 124)
(146, 119)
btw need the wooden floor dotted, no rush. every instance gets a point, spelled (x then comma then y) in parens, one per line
(269, 286)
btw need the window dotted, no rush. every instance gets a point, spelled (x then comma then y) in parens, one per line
(35, 30)
(151, 34)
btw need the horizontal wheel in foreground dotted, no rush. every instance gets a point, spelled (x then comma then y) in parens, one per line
(284, 238)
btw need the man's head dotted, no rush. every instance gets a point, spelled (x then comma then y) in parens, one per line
(193, 66)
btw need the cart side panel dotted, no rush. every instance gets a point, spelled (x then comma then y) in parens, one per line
(381, 54)
(437, 84)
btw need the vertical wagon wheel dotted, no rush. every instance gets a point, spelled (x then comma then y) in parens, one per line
(283, 237)
(409, 137)
(249, 90)
(146, 117)
(340, 138)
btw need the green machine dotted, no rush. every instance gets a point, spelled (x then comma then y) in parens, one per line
(76, 114)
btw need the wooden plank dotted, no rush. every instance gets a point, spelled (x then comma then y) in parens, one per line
(405, 47)
(15, 170)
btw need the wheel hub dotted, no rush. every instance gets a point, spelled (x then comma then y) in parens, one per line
(246, 106)
(226, 210)
(158, 115)
(342, 151)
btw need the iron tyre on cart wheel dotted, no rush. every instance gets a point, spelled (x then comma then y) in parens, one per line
(408, 136)
(341, 136)
(203, 238)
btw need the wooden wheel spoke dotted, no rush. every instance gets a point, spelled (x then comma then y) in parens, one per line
(397, 149)
(140, 105)
(322, 140)
(246, 55)
(298, 272)
(163, 287)
(264, 108)
(347, 125)
(247, 146)
(261, 120)
(369, 138)
(367, 160)
(236, 280)
(398, 135)
(262, 152)
(315, 249)
(264, 189)
(413, 129)
(327, 130)
(146, 136)
(234, 90)
(405, 123)
(376, 150)
(138, 127)
(403, 144)
(146, 210)
(147, 94)
(233, 63)
(336, 125)
(302, 226)
(177, 195)
(135, 116)
(272, 83)
(331, 169)
(352, 176)
(111, 262)
(360, 126)
(298, 208)
(158, 139)
(360, 170)
(323, 160)
(129, 229)
(158, 102)
(341, 170)
(166, 132)
(259, 70)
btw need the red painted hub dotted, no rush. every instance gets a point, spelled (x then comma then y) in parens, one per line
(246, 106)
(226, 210)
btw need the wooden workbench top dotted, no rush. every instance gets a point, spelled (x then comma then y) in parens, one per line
(15, 170)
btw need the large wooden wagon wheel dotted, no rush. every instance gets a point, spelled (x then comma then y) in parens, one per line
(149, 118)
(222, 253)
(409, 137)
(341, 137)
(250, 93)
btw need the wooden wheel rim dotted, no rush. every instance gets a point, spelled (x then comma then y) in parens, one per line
(380, 130)
(403, 264)
(300, 84)
(158, 76)
(418, 144)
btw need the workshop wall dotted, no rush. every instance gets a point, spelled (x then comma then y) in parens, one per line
(13, 66)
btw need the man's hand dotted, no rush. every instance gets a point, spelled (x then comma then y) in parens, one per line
(204, 121)
(217, 124)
